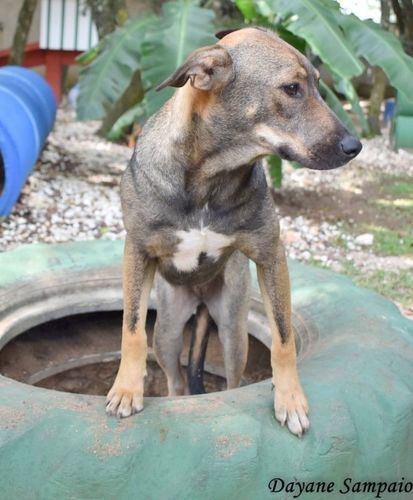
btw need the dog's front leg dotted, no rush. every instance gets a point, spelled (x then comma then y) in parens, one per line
(290, 403)
(126, 395)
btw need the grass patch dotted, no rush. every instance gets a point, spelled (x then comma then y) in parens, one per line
(400, 203)
(399, 188)
(388, 242)
(396, 286)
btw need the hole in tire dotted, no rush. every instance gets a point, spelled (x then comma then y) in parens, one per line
(79, 354)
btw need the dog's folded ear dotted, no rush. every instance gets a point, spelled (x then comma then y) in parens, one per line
(209, 68)
(222, 33)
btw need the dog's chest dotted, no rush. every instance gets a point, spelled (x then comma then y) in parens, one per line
(199, 241)
(197, 244)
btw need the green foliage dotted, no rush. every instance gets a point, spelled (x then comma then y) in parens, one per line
(275, 169)
(342, 42)
(155, 44)
(132, 115)
(316, 22)
(247, 8)
(397, 286)
(106, 78)
(390, 242)
(401, 187)
(181, 28)
(380, 48)
(334, 102)
(346, 88)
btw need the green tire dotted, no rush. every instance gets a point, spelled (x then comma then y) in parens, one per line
(355, 363)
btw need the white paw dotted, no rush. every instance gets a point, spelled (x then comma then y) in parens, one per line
(291, 408)
(122, 403)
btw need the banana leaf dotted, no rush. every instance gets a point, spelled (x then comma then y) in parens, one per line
(380, 48)
(247, 8)
(316, 22)
(334, 102)
(275, 170)
(181, 28)
(346, 87)
(132, 115)
(90, 55)
(105, 79)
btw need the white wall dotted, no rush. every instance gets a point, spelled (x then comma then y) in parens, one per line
(9, 10)
(364, 9)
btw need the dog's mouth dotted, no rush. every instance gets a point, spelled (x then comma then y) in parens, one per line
(322, 158)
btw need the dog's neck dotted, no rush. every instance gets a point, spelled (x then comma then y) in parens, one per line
(194, 137)
(196, 156)
(186, 103)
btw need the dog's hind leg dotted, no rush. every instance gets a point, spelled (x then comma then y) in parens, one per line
(175, 306)
(228, 307)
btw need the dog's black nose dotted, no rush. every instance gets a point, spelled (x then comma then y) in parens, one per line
(350, 146)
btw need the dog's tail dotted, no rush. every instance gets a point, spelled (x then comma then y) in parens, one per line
(197, 351)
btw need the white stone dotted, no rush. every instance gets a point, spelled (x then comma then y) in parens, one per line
(365, 239)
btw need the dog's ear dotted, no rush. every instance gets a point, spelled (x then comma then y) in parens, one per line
(208, 68)
(222, 33)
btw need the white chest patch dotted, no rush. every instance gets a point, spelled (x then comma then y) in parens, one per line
(195, 242)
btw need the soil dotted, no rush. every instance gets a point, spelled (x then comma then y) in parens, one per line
(45, 356)
(353, 208)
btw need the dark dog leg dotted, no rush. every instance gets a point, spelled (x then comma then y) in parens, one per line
(290, 403)
(197, 351)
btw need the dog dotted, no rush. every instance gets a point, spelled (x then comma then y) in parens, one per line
(197, 206)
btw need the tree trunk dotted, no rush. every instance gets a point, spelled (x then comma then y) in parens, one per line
(133, 94)
(21, 33)
(386, 7)
(107, 14)
(379, 80)
(407, 37)
(399, 15)
(376, 99)
(404, 16)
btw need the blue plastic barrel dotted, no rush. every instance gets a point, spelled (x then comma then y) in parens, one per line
(27, 114)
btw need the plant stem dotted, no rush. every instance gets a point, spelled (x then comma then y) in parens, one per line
(132, 95)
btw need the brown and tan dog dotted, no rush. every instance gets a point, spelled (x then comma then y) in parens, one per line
(196, 206)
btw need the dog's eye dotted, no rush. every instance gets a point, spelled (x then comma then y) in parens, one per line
(292, 89)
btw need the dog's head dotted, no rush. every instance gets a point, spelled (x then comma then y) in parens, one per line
(254, 88)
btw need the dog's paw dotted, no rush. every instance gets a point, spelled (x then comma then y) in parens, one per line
(122, 403)
(291, 408)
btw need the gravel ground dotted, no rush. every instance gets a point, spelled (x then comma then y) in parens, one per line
(73, 192)
(73, 195)
(376, 159)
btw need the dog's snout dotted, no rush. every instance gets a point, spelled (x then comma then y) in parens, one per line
(350, 146)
